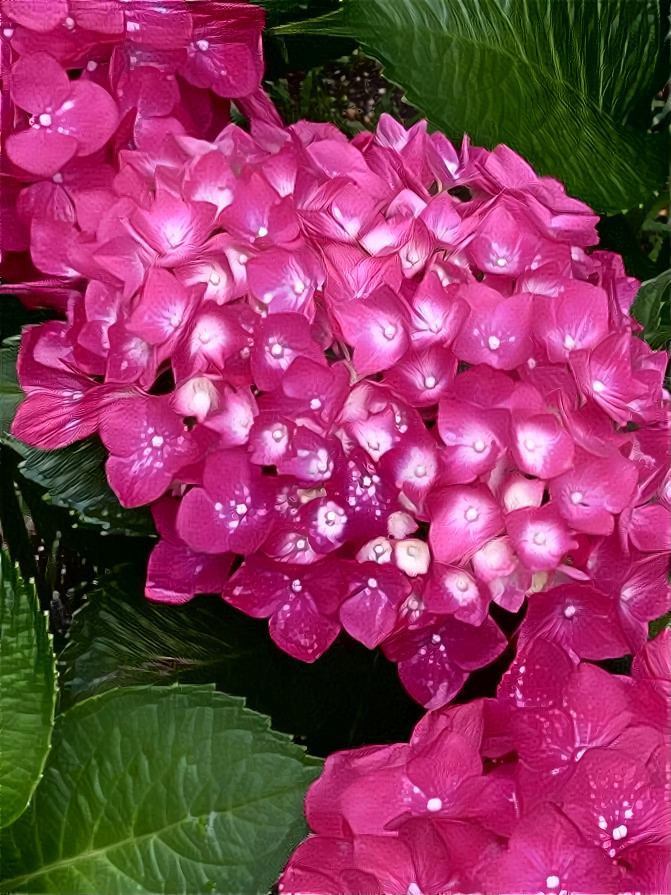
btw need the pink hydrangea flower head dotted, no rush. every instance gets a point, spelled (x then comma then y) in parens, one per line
(389, 377)
(555, 785)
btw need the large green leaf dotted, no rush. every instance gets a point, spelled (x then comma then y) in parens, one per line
(74, 478)
(349, 697)
(652, 308)
(566, 83)
(10, 393)
(161, 790)
(27, 691)
(294, 10)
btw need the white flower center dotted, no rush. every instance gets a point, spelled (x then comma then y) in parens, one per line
(493, 342)
(539, 538)
(598, 386)
(552, 882)
(429, 382)
(569, 611)
(471, 514)
(434, 805)
(45, 119)
(203, 45)
(479, 446)
(576, 497)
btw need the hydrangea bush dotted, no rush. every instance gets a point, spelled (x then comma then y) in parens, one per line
(560, 784)
(394, 378)
(375, 385)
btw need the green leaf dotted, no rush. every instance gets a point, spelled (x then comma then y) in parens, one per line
(652, 308)
(27, 691)
(161, 790)
(562, 83)
(294, 10)
(348, 697)
(10, 393)
(74, 478)
(659, 624)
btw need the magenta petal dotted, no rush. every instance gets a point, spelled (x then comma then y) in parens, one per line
(52, 419)
(37, 15)
(474, 438)
(91, 119)
(594, 489)
(545, 847)
(38, 83)
(577, 617)
(136, 482)
(103, 16)
(615, 817)
(199, 523)
(301, 631)
(40, 151)
(432, 683)
(163, 306)
(370, 615)
(541, 446)
(650, 528)
(175, 573)
(538, 676)
(462, 520)
(540, 536)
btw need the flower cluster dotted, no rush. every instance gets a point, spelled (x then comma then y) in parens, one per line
(394, 378)
(560, 784)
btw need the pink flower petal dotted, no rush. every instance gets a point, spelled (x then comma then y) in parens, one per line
(38, 83)
(40, 151)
